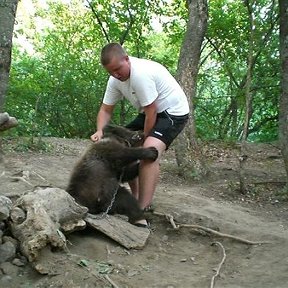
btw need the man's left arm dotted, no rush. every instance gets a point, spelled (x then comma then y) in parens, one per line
(150, 117)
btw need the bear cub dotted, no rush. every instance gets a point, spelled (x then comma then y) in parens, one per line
(97, 175)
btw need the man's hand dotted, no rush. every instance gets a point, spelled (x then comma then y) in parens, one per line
(150, 117)
(97, 136)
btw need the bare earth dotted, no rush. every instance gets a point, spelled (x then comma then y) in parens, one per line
(182, 258)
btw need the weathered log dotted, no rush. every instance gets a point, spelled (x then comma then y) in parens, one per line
(7, 122)
(120, 230)
(39, 218)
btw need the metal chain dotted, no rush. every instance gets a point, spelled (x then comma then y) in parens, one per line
(105, 213)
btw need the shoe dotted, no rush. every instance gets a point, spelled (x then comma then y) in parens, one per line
(149, 208)
(142, 225)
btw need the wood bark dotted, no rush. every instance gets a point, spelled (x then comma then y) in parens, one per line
(283, 105)
(248, 93)
(188, 154)
(248, 99)
(129, 236)
(39, 219)
(7, 18)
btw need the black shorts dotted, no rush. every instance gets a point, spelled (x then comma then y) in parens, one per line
(166, 128)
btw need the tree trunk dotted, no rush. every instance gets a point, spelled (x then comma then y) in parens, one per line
(283, 107)
(7, 17)
(188, 154)
(248, 94)
(248, 99)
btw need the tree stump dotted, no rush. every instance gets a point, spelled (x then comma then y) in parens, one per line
(39, 219)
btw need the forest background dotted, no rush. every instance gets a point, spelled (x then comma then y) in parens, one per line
(57, 83)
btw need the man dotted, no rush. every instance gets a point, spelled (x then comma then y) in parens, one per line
(162, 105)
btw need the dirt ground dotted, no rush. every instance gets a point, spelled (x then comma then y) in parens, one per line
(182, 258)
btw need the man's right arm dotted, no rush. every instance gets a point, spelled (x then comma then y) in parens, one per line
(103, 118)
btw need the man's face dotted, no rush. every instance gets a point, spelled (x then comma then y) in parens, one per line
(119, 68)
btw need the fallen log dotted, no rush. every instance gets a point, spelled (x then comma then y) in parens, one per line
(7, 122)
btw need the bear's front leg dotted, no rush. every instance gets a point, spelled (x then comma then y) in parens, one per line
(128, 155)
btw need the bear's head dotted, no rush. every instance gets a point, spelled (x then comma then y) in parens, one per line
(123, 135)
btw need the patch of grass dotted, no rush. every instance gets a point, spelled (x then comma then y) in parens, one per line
(282, 194)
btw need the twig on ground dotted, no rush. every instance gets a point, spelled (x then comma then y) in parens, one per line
(22, 179)
(114, 285)
(220, 264)
(41, 177)
(108, 250)
(209, 230)
(171, 220)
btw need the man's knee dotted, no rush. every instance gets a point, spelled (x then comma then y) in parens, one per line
(155, 142)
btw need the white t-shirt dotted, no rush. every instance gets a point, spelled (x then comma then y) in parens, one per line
(149, 81)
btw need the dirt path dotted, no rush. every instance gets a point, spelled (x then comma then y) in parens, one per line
(182, 258)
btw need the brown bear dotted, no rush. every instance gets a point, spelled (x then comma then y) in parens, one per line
(96, 177)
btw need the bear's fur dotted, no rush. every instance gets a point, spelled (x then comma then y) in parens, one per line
(97, 175)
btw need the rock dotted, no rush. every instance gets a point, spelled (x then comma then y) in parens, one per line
(5, 281)
(132, 273)
(7, 251)
(23, 259)
(9, 269)
(10, 239)
(1, 235)
(165, 238)
(18, 262)
(5, 207)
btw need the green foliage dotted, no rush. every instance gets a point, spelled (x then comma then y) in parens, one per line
(58, 89)
(221, 85)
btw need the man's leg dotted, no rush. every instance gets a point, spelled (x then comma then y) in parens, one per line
(134, 186)
(149, 173)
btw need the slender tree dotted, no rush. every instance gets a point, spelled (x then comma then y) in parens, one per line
(283, 112)
(248, 96)
(188, 154)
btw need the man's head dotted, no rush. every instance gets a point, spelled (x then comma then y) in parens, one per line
(116, 61)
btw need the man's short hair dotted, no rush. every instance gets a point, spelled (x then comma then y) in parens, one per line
(111, 50)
